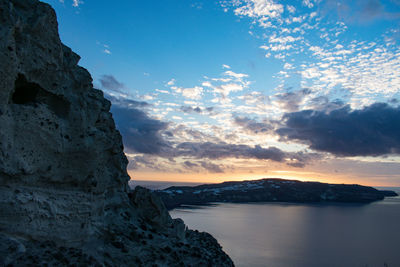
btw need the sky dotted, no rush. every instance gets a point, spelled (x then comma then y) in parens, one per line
(210, 91)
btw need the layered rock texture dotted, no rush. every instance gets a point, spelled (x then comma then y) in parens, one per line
(64, 195)
(270, 190)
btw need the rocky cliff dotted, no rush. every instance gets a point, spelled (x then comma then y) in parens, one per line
(270, 190)
(64, 195)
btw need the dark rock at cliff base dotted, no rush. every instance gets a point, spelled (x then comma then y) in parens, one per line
(270, 190)
(64, 195)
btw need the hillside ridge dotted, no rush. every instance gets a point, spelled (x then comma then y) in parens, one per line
(270, 190)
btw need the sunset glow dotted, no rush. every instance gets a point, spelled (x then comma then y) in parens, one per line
(210, 91)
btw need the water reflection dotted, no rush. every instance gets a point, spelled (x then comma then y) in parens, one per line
(282, 235)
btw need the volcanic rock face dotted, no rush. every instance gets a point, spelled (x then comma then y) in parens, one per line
(64, 195)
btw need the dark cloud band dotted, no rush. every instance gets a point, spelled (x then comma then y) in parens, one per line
(371, 131)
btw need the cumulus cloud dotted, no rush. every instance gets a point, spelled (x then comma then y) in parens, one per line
(371, 131)
(194, 93)
(226, 89)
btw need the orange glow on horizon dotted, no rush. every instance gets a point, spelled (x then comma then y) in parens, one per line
(284, 174)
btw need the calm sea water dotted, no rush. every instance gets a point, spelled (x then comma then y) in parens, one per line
(312, 235)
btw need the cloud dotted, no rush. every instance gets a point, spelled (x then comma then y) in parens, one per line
(75, 3)
(238, 76)
(162, 91)
(191, 93)
(291, 101)
(211, 167)
(115, 91)
(189, 109)
(146, 161)
(126, 102)
(189, 164)
(363, 70)
(288, 66)
(252, 126)
(226, 89)
(362, 11)
(141, 133)
(224, 150)
(262, 11)
(223, 87)
(109, 82)
(291, 9)
(371, 131)
(283, 39)
(323, 103)
(171, 82)
(308, 3)
(148, 136)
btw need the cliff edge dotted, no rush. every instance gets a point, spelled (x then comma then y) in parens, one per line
(64, 195)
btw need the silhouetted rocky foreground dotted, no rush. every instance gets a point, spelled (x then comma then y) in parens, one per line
(270, 190)
(64, 195)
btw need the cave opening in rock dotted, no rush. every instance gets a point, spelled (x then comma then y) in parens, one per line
(25, 92)
(29, 93)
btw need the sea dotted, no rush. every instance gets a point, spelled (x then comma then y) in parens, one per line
(297, 235)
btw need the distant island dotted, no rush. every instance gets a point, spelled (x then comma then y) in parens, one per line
(270, 190)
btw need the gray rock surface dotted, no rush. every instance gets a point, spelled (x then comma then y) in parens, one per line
(64, 195)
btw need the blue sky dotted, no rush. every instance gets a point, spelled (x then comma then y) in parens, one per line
(217, 90)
